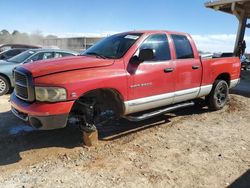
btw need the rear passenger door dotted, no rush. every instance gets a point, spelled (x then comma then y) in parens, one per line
(188, 70)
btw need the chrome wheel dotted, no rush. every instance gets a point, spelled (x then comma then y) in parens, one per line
(2, 86)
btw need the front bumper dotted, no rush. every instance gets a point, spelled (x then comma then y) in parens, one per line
(42, 116)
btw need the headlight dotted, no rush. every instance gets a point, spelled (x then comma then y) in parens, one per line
(50, 94)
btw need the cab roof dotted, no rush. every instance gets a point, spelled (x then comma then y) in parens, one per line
(157, 31)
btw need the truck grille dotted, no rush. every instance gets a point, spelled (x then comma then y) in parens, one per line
(22, 91)
(23, 84)
(20, 78)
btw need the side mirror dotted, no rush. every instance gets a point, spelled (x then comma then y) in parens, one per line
(146, 55)
(134, 60)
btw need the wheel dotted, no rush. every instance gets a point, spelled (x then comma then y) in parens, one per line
(218, 97)
(4, 86)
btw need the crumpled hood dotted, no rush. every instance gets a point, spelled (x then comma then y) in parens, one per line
(45, 67)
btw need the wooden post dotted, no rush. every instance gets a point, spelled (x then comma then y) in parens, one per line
(240, 34)
(241, 15)
(90, 138)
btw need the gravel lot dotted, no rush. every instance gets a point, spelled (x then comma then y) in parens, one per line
(193, 147)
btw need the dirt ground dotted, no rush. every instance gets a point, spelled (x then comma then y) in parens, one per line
(193, 147)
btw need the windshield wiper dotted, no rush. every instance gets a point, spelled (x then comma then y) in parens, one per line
(96, 54)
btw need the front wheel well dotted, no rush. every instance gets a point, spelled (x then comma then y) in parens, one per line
(106, 96)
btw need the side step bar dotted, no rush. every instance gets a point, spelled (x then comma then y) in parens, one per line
(159, 112)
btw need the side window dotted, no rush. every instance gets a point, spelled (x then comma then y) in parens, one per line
(58, 55)
(36, 57)
(64, 54)
(159, 44)
(41, 56)
(183, 48)
(48, 55)
(61, 54)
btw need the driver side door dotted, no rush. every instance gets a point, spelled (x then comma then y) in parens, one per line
(151, 83)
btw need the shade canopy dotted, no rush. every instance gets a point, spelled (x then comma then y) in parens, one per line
(242, 7)
(239, 8)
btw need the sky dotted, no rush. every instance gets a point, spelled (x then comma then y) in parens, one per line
(212, 30)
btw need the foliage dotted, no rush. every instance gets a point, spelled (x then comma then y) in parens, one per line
(17, 37)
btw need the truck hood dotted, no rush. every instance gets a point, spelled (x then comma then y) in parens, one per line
(45, 67)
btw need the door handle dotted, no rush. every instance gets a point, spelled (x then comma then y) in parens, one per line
(168, 70)
(195, 67)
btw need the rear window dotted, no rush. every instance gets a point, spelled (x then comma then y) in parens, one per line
(183, 48)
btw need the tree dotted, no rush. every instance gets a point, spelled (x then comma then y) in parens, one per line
(51, 37)
(5, 36)
(5, 32)
(15, 33)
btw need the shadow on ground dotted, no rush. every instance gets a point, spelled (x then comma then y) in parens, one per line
(24, 139)
(243, 88)
(242, 182)
(17, 137)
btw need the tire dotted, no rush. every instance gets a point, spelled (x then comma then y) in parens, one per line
(218, 97)
(4, 86)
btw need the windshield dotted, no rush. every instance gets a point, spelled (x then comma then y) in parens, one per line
(21, 57)
(113, 47)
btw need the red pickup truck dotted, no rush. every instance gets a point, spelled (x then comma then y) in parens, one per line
(134, 75)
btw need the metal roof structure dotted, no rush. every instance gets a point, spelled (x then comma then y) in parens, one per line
(239, 8)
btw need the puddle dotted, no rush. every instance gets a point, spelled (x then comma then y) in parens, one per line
(20, 128)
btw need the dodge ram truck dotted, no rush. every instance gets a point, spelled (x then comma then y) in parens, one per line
(134, 75)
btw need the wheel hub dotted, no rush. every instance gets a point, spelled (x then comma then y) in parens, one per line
(221, 94)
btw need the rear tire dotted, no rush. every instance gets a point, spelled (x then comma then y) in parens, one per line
(4, 86)
(218, 97)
